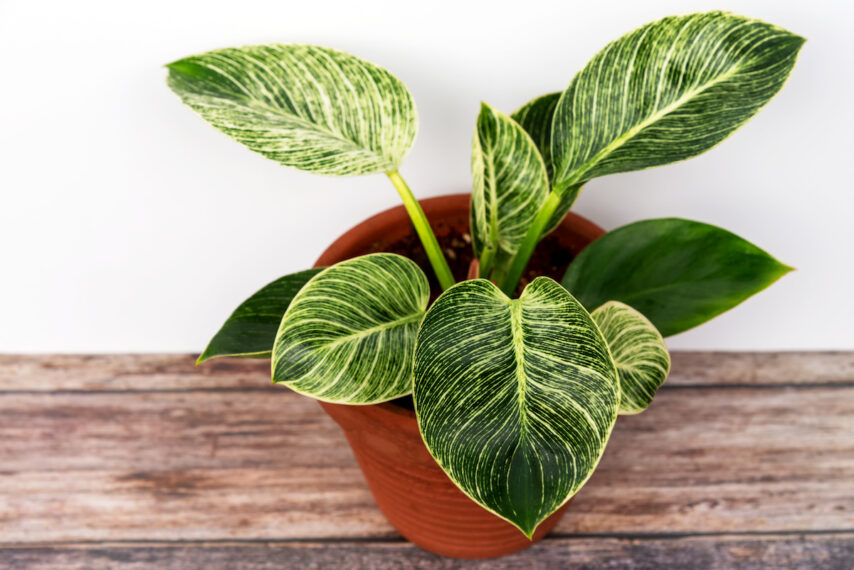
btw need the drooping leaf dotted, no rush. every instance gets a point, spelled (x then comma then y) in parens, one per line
(515, 398)
(639, 354)
(250, 330)
(510, 184)
(535, 117)
(678, 273)
(310, 107)
(349, 334)
(667, 91)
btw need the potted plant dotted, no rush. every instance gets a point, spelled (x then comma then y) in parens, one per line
(513, 389)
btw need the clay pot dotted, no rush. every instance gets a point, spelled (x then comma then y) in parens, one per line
(414, 494)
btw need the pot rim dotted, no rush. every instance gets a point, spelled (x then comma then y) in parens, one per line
(435, 206)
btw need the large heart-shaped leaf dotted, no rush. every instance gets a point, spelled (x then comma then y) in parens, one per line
(639, 354)
(349, 334)
(510, 185)
(515, 398)
(250, 330)
(678, 273)
(309, 107)
(667, 91)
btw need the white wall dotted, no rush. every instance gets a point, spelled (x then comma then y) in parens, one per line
(128, 224)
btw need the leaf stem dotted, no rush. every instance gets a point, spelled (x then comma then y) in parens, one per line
(526, 249)
(422, 228)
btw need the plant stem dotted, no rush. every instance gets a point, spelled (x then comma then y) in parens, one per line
(523, 255)
(425, 233)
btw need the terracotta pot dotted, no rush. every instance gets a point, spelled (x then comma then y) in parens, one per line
(414, 494)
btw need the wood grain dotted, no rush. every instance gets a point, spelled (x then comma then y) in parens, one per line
(146, 461)
(129, 372)
(821, 552)
(210, 465)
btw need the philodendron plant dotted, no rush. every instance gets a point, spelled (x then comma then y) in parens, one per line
(515, 397)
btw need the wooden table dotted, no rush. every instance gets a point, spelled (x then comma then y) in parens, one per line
(743, 461)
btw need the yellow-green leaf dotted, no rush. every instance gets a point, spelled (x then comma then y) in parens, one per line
(667, 91)
(348, 335)
(309, 107)
(639, 354)
(510, 186)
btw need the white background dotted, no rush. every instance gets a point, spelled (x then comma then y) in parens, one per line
(127, 224)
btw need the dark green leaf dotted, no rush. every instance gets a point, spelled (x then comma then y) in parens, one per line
(678, 273)
(251, 328)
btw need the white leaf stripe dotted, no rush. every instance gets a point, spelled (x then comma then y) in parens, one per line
(666, 92)
(349, 334)
(515, 399)
(309, 107)
(510, 184)
(639, 353)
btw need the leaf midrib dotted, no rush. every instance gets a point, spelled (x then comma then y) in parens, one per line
(618, 142)
(373, 330)
(262, 107)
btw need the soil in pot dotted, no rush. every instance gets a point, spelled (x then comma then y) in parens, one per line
(550, 259)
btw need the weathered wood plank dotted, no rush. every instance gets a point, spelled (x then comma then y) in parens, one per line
(808, 552)
(270, 465)
(129, 372)
(178, 372)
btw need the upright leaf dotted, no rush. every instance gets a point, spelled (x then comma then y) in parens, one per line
(678, 273)
(667, 91)
(510, 184)
(309, 107)
(639, 354)
(250, 330)
(348, 335)
(535, 117)
(516, 398)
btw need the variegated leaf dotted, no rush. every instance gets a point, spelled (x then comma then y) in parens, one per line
(678, 273)
(639, 354)
(510, 185)
(515, 398)
(310, 107)
(250, 330)
(349, 334)
(667, 91)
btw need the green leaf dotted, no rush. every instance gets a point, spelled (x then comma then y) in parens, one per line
(250, 330)
(678, 273)
(510, 185)
(639, 354)
(309, 107)
(667, 91)
(535, 117)
(516, 398)
(348, 335)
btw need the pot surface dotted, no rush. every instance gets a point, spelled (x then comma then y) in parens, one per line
(410, 488)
